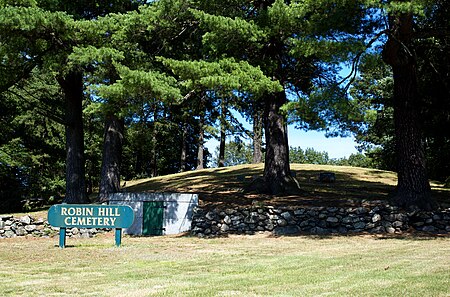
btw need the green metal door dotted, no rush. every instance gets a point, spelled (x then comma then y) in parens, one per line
(153, 218)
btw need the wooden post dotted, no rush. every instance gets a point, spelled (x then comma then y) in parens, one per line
(118, 236)
(62, 237)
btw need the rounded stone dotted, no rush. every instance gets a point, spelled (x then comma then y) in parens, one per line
(210, 215)
(286, 215)
(429, 229)
(288, 230)
(390, 230)
(376, 218)
(269, 227)
(379, 229)
(332, 220)
(9, 234)
(397, 224)
(359, 225)
(30, 228)
(21, 231)
(299, 212)
(25, 220)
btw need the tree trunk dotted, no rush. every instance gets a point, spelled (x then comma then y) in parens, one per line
(276, 166)
(413, 188)
(112, 154)
(153, 157)
(184, 148)
(221, 162)
(257, 137)
(222, 140)
(72, 86)
(201, 144)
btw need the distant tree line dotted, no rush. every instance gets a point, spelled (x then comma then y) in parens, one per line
(239, 152)
(94, 92)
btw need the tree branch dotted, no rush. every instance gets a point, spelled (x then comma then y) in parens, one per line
(44, 112)
(354, 70)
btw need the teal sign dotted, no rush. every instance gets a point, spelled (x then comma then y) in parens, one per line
(90, 216)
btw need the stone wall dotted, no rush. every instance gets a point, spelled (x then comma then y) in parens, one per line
(29, 226)
(279, 221)
(316, 220)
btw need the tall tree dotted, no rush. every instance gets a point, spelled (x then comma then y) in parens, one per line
(111, 157)
(72, 86)
(408, 30)
(257, 136)
(413, 187)
(31, 141)
(52, 35)
(286, 42)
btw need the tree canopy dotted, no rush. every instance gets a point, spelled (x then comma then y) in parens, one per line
(94, 92)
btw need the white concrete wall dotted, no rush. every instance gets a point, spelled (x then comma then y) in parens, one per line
(178, 210)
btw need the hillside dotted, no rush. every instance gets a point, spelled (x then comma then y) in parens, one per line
(225, 186)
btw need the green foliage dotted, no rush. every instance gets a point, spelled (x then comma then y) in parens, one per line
(31, 144)
(308, 156)
(166, 64)
(235, 30)
(141, 139)
(236, 152)
(88, 55)
(133, 83)
(311, 156)
(226, 73)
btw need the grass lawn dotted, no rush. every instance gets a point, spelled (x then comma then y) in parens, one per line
(224, 186)
(259, 265)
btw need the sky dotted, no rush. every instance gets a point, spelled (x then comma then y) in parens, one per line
(336, 147)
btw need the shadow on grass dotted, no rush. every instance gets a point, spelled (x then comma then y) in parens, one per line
(221, 179)
(223, 187)
(413, 236)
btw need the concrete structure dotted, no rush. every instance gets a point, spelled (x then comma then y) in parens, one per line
(158, 213)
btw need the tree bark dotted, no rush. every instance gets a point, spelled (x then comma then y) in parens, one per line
(184, 148)
(112, 155)
(221, 162)
(153, 157)
(201, 144)
(413, 188)
(72, 86)
(276, 166)
(222, 140)
(257, 137)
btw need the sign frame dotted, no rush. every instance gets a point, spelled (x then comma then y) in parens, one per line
(90, 216)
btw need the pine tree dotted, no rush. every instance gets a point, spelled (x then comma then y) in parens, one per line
(268, 48)
(43, 35)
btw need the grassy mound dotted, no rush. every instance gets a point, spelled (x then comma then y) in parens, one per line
(225, 186)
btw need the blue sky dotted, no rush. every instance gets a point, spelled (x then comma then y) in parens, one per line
(336, 147)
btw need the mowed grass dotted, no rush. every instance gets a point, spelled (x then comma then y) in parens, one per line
(259, 265)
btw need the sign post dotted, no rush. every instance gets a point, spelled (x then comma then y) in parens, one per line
(90, 216)
(62, 237)
(118, 236)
